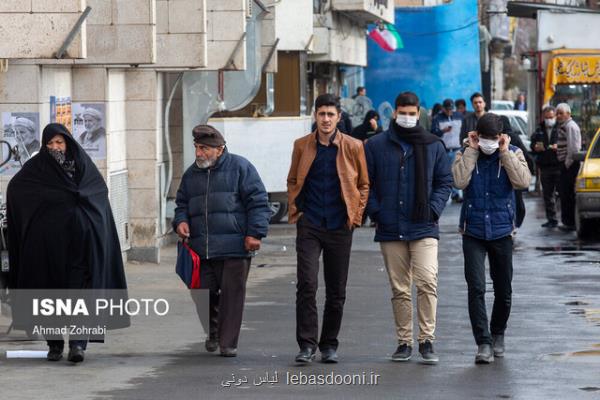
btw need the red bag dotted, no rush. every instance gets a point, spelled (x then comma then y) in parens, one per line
(188, 265)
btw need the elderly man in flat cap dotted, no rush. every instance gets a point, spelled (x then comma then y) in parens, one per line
(222, 211)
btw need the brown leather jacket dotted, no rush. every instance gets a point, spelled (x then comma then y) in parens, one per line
(351, 168)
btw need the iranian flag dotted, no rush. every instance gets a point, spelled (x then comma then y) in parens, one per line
(387, 37)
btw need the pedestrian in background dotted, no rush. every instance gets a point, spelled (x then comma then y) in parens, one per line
(544, 146)
(567, 145)
(222, 210)
(328, 187)
(368, 128)
(489, 170)
(411, 181)
(452, 142)
(470, 121)
(461, 106)
(521, 103)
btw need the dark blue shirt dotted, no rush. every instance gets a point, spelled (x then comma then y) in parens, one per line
(322, 200)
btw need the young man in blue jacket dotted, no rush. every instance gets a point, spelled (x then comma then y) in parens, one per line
(489, 170)
(411, 181)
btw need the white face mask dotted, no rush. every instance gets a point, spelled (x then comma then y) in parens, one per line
(550, 122)
(407, 121)
(488, 146)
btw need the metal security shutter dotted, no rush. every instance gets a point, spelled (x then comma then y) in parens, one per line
(119, 201)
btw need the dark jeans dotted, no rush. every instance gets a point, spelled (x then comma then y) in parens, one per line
(226, 279)
(499, 254)
(550, 178)
(567, 193)
(311, 240)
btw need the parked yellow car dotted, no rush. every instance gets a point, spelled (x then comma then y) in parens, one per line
(587, 189)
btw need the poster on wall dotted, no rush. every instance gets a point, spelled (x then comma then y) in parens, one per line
(21, 130)
(89, 128)
(61, 111)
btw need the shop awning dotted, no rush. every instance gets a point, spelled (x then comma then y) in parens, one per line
(571, 68)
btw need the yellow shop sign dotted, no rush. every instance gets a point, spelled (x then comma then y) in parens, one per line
(570, 70)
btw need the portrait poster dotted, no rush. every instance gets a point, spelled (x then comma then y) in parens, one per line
(89, 128)
(20, 131)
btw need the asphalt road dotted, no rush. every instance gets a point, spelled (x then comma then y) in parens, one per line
(553, 343)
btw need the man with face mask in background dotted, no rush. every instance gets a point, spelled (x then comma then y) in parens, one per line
(543, 145)
(489, 170)
(411, 181)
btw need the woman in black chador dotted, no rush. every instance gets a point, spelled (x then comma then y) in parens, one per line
(61, 231)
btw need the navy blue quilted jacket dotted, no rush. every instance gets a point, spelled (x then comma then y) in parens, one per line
(391, 165)
(222, 205)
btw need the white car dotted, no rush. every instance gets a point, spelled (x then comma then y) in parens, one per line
(502, 105)
(518, 123)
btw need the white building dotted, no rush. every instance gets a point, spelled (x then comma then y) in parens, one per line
(142, 60)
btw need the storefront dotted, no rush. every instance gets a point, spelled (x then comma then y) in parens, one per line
(573, 77)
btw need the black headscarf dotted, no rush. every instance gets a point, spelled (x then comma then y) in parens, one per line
(59, 218)
(361, 132)
(419, 138)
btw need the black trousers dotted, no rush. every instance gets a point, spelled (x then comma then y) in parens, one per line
(567, 193)
(499, 254)
(226, 279)
(550, 179)
(311, 240)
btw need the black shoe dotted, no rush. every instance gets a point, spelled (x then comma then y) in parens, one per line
(567, 228)
(55, 353)
(428, 356)
(329, 356)
(498, 345)
(76, 354)
(550, 224)
(484, 355)
(305, 355)
(403, 353)
(228, 352)
(211, 345)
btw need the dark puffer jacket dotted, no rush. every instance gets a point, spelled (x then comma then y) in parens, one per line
(391, 165)
(222, 205)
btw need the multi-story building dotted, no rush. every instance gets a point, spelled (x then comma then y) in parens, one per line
(151, 69)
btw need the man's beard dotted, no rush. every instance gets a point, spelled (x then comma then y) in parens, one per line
(205, 162)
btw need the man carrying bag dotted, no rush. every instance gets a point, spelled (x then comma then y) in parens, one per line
(222, 210)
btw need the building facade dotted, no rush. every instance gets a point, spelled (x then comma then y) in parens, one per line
(145, 66)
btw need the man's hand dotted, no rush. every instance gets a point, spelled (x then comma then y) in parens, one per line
(251, 244)
(447, 129)
(183, 230)
(503, 142)
(474, 140)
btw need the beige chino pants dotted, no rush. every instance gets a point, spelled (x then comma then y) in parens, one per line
(407, 261)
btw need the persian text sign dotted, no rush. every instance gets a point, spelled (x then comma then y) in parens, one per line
(571, 70)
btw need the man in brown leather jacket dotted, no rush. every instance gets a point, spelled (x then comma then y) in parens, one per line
(328, 187)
